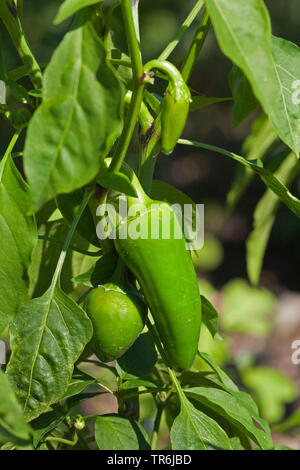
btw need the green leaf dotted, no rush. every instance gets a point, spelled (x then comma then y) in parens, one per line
(69, 7)
(116, 181)
(79, 119)
(13, 427)
(247, 309)
(47, 336)
(291, 422)
(200, 101)
(209, 316)
(46, 255)
(243, 30)
(244, 100)
(225, 379)
(78, 384)
(135, 383)
(46, 423)
(18, 237)
(272, 389)
(140, 358)
(99, 272)
(68, 205)
(194, 430)
(291, 201)
(264, 217)
(236, 407)
(256, 146)
(115, 432)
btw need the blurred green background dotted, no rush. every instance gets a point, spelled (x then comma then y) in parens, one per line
(258, 325)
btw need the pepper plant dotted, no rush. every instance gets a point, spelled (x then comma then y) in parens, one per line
(71, 299)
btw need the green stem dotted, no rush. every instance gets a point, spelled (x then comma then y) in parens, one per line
(71, 247)
(63, 441)
(137, 95)
(20, 8)
(149, 156)
(106, 387)
(124, 62)
(133, 41)
(196, 46)
(183, 28)
(157, 342)
(145, 117)
(168, 68)
(9, 150)
(21, 72)
(70, 234)
(14, 27)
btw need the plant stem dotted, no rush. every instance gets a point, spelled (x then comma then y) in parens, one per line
(138, 90)
(70, 234)
(20, 8)
(133, 41)
(196, 46)
(157, 342)
(63, 441)
(14, 27)
(12, 143)
(71, 247)
(183, 28)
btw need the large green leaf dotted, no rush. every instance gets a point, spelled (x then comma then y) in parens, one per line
(46, 254)
(79, 119)
(13, 427)
(115, 432)
(243, 31)
(18, 237)
(238, 408)
(243, 98)
(194, 430)
(255, 146)
(47, 336)
(264, 217)
(69, 7)
(291, 201)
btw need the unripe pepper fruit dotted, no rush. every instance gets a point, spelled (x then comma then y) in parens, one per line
(166, 275)
(118, 314)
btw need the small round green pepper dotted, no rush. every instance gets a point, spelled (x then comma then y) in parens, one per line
(118, 313)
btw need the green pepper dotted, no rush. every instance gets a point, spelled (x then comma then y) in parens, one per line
(118, 313)
(175, 106)
(166, 275)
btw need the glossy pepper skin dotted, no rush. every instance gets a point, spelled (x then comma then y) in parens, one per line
(118, 314)
(164, 270)
(175, 110)
(175, 105)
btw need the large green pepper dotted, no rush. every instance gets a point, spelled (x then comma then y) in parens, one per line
(164, 270)
(118, 313)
